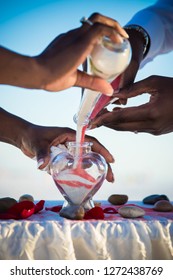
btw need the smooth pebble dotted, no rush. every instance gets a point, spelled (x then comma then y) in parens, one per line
(131, 211)
(73, 212)
(152, 199)
(26, 197)
(118, 199)
(163, 206)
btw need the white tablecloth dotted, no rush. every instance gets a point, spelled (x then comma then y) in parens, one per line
(48, 236)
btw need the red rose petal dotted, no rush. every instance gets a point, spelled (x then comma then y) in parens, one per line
(110, 210)
(23, 210)
(26, 213)
(54, 208)
(17, 208)
(95, 213)
(39, 206)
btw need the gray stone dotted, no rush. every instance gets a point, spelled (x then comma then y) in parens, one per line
(73, 212)
(128, 211)
(152, 199)
(26, 197)
(163, 206)
(118, 199)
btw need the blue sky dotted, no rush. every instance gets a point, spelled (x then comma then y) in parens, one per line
(143, 162)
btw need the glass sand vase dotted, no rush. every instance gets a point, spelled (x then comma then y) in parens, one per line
(78, 173)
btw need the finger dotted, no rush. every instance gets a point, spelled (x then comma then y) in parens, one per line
(132, 114)
(71, 136)
(110, 175)
(94, 83)
(27, 152)
(43, 150)
(98, 30)
(63, 138)
(96, 17)
(136, 127)
(42, 154)
(138, 88)
(87, 39)
(100, 149)
(104, 119)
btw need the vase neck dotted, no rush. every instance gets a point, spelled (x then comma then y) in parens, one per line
(84, 147)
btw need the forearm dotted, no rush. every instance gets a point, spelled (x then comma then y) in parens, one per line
(12, 128)
(19, 70)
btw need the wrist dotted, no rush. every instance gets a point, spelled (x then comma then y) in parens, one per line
(137, 44)
(19, 70)
(44, 72)
(140, 34)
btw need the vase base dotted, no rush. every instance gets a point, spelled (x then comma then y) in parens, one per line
(87, 205)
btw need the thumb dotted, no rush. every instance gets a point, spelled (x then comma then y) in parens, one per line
(42, 154)
(85, 80)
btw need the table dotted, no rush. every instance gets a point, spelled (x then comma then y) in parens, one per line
(47, 236)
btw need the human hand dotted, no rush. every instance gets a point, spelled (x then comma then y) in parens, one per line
(37, 140)
(61, 59)
(56, 68)
(155, 117)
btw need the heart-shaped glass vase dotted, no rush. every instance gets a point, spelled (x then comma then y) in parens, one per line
(78, 173)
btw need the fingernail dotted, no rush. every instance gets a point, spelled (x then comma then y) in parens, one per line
(112, 159)
(110, 93)
(125, 34)
(40, 162)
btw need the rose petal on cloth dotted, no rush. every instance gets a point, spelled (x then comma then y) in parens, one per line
(23, 210)
(110, 210)
(54, 208)
(26, 213)
(39, 206)
(95, 213)
(19, 207)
